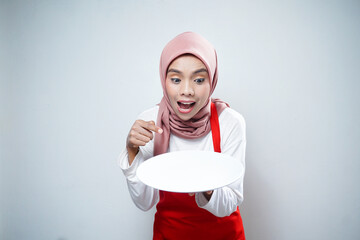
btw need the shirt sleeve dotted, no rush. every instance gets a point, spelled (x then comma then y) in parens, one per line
(143, 196)
(224, 201)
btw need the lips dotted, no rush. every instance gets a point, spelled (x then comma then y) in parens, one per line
(185, 106)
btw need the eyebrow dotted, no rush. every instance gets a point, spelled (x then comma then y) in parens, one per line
(200, 70)
(173, 70)
(195, 72)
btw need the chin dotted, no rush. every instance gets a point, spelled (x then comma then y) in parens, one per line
(184, 118)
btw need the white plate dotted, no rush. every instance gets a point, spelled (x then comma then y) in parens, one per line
(190, 171)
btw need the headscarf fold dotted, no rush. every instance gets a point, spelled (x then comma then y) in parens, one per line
(199, 125)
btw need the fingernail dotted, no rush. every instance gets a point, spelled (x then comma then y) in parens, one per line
(160, 131)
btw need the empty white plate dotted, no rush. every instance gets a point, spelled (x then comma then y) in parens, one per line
(190, 171)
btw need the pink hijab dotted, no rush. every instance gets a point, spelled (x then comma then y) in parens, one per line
(199, 125)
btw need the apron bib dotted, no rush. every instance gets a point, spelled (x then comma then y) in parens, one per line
(178, 217)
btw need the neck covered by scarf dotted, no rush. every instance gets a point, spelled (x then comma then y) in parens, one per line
(199, 125)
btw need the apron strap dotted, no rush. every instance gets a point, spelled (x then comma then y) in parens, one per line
(215, 128)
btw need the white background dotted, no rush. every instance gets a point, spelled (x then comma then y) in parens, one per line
(75, 74)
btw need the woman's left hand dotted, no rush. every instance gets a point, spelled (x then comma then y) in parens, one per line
(207, 194)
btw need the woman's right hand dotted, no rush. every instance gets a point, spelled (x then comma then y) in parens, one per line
(140, 134)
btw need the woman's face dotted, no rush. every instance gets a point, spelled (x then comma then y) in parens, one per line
(187, 86)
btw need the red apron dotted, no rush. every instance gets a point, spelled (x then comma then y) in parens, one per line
(178, 217)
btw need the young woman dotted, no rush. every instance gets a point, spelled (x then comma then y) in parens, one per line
(187, 118)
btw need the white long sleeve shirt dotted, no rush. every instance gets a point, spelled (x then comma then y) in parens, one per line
(223, 201)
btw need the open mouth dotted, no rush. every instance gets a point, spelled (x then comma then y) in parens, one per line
(185, 107)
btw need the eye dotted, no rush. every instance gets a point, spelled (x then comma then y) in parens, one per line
(175, 80)
(199, 80)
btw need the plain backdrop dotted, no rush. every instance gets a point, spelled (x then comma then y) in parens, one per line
(75, 74)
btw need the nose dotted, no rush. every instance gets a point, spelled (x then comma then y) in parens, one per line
(187, 89)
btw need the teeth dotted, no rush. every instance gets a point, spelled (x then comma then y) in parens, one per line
(186, 103)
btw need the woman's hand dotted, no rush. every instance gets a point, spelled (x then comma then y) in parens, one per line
(207, 194)
(140, 134)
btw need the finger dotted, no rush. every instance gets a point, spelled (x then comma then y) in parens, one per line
(139, 135)
(134, 143)
(150, 125)
(191, 194)
(143, 131)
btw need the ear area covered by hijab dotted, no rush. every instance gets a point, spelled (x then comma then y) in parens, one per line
(199, 125)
